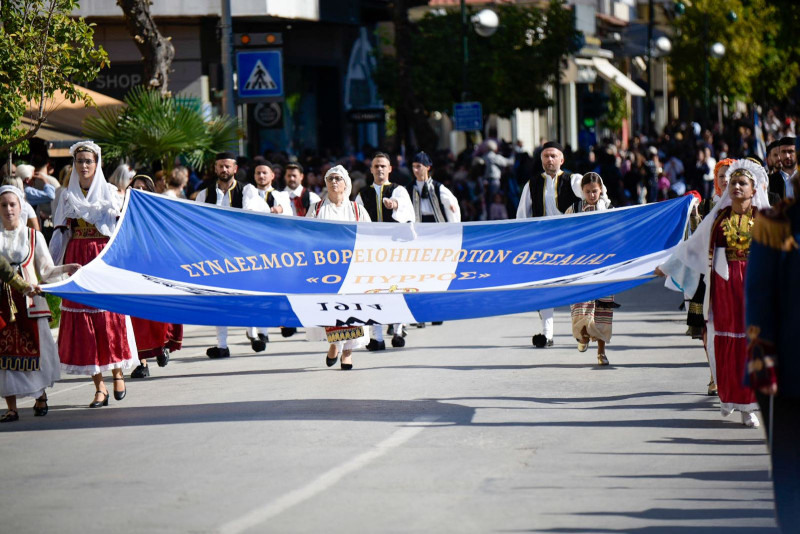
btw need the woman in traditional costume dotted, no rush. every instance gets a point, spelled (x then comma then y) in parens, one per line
(695, 319)
(337, 206)
(718, 250)
(153, 339)
(591, 320)
(90, 341)
(28, 353)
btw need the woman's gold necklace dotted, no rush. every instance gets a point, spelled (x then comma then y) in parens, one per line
(738, 234)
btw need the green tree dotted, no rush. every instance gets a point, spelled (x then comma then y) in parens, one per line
(506, 71)
(154, 127)
(617, 109)
(781, 61)
(705, 22)
(42, 50)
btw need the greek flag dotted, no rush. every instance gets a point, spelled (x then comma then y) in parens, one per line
(761, 147)
(183, 262)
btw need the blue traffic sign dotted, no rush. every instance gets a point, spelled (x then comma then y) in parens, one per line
(260, 74)
(468, 116)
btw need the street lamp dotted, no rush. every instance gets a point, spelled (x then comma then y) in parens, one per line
(485, 23)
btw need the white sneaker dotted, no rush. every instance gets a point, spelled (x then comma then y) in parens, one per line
(750, 420)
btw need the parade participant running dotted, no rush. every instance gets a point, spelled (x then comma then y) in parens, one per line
(338, 207)
(90, 341)
(548, 194)
(230, 193)
(28, 355)
(385, 202)
(153, 339)
(592, 320)
(724, 237)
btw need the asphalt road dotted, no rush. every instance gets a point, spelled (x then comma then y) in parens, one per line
(466, 429)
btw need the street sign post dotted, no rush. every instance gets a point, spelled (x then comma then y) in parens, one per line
(260, 75)
(468, 116)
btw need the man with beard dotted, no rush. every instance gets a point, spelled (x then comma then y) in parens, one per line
(226, 192)
(300, 197)
(548, 194)
(779, 182)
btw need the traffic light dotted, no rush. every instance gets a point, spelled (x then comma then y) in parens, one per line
(258, 39)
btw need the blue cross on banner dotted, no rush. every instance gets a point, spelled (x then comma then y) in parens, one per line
(260, 74)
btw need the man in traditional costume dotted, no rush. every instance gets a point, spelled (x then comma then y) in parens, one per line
(300, 197)
(90, 341)
(226, 192)
(264, 198)
(385, 202)
(432, 201)
(772, 315)
(548, 194)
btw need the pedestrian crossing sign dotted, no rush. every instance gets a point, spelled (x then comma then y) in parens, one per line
(260, 74)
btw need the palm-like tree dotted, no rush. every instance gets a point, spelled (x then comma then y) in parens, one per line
(152, 127)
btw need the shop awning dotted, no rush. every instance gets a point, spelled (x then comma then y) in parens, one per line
(614, 75)
(64, 123)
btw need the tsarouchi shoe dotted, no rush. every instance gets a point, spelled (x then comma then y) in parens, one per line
(750, 420)
(398, 341)
(374, 344)
(141, 371)
(288, 331)
(163, 358)
(216, 352)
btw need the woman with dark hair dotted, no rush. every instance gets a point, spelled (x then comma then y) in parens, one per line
(718, 249)
(28, 354)
(90, 341)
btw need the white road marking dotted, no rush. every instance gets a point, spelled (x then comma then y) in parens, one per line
(325, 480)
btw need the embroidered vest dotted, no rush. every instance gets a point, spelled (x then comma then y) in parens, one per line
(564, 195)
(235, 192)
(370, 200)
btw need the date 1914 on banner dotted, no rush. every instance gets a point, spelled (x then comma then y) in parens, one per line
(336, 310)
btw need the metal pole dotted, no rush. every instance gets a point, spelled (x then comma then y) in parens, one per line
(226, 26)
(649, 100)
(465, 51)
(706, 71)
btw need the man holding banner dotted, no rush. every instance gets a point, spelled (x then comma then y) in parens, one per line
(229, 193)
(547, 195)
(385, 202)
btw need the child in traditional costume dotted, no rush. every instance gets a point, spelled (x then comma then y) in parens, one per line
(591, 320)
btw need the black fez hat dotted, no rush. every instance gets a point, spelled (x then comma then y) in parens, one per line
(422, 158)
(786, 141)
(225, 155)
(553, 144)
(774, 144)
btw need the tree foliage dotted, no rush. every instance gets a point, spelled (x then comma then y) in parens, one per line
(42, 50)
(706, 22)
(617, 109)
(506, 71)
(153, 127)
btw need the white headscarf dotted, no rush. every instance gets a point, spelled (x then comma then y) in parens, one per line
(341, 171)
(15, 242)
(690, 258)
(603, 202)
(100, 206)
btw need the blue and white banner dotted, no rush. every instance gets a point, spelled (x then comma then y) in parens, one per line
(183, 262)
